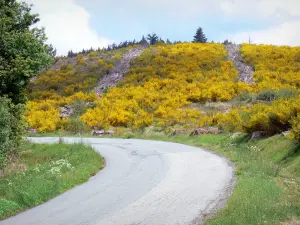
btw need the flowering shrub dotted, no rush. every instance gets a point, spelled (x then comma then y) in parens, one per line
(43, 115)
(280, 116)
(163, 82)
(276, 67)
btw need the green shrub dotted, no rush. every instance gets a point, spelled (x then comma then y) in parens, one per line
(11, 128)
(267, 95)
(245, 96)
(270, 94)
(76, 125)
(287, 93)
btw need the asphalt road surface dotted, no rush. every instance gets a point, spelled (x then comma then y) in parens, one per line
(144, 182)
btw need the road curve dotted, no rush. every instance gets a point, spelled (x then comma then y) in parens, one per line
(144, 182)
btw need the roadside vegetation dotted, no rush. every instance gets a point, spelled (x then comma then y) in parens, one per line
(24, 53)
(44, 171)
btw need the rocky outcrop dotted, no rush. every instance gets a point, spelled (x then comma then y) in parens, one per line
(66, 111)
(245, 71)
(103, 133)
(117, 73)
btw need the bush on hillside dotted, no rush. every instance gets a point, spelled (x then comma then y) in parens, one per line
(76, 125)
(271, 119)
(271, 94)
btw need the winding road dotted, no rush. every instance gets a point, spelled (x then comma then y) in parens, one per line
(144, 182)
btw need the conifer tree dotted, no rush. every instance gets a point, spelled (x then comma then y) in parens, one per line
(200, 36)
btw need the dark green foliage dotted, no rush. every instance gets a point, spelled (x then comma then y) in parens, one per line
(152, 38)
(168, 42)
(23, 52)
(143, 41)
(11, 128)
(200, 36)
(111, 47)
(226, 42)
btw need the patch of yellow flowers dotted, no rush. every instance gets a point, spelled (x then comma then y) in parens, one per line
(163, 82)
(165, 79)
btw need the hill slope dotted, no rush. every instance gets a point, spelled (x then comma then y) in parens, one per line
(170, 86)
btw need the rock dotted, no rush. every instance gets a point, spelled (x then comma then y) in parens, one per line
(103, 133)
(32, 130)
(177, 132)
(234, 135)
(66, 111)
(245, 71)
(98, 133)
(110, 133)
(286, 133)
(1, 173)
(206, 130)
(257, 135)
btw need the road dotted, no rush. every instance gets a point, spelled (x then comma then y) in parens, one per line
(144, 182)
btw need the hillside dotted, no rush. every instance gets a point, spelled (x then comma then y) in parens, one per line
(184, 86)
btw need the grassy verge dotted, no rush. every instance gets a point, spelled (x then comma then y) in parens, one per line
(268, 178)
(43, 172)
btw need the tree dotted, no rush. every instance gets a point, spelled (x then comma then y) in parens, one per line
(226, 42)
(143, 41)
(152, 38)
(200, 36)
(23, 51)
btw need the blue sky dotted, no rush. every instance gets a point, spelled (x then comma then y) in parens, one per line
(78, 24)
(120, 23)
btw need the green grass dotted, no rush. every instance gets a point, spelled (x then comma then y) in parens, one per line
(267, 189)
(43, 172)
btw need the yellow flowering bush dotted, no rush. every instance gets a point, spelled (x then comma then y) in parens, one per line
(276, 67)
(279, 116)
(43, 116)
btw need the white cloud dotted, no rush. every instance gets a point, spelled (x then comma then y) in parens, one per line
(257, 9)
(286, 33)
(282, 15)
(67, 25)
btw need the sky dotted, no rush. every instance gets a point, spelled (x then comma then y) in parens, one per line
(78, 24)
